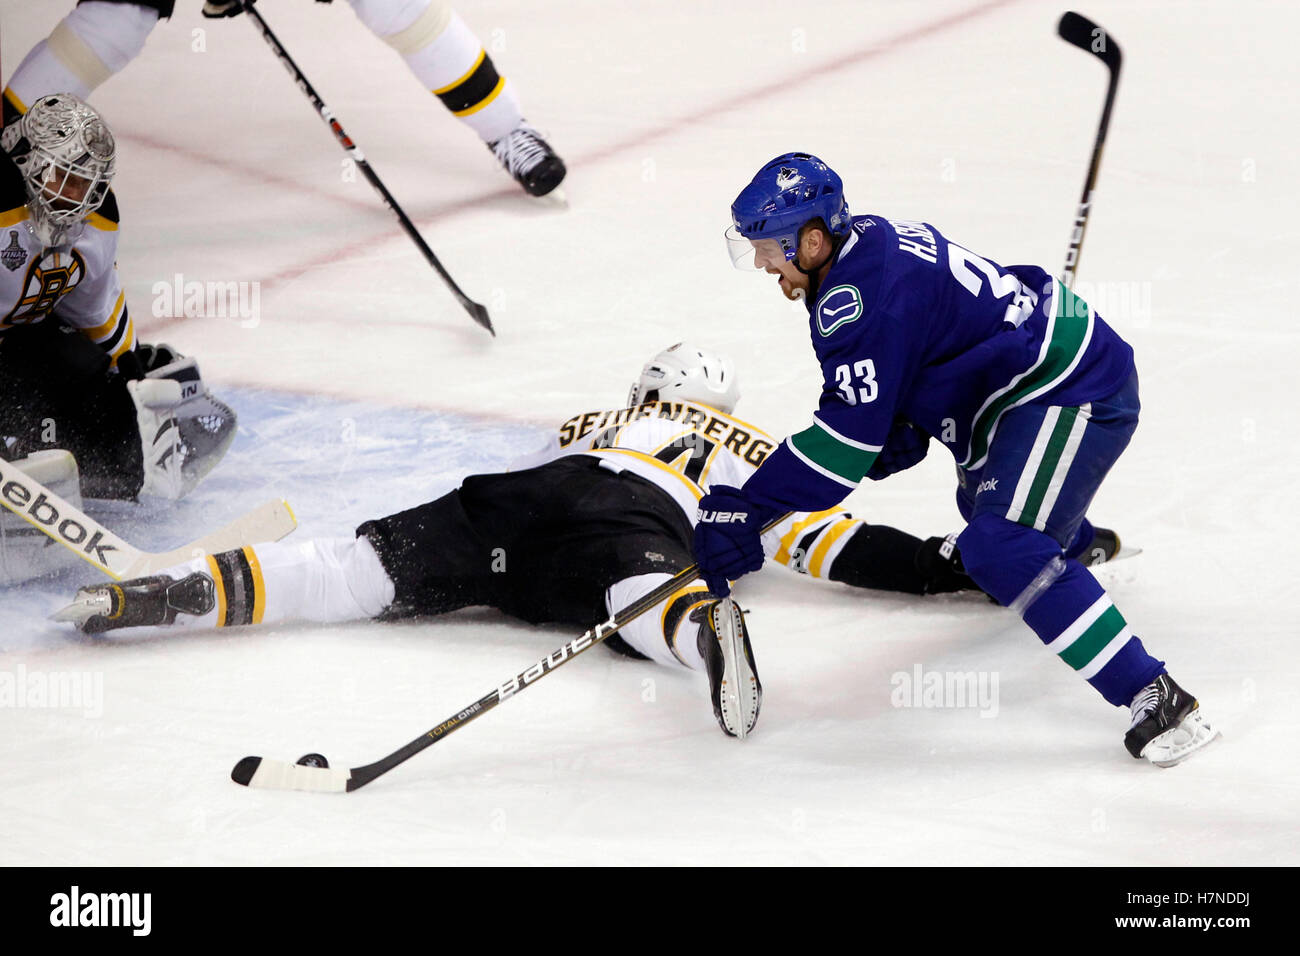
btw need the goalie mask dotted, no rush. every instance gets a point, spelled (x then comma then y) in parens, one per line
(67, 157)
(685, 373)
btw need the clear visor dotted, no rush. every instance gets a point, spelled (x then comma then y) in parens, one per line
(746, 254)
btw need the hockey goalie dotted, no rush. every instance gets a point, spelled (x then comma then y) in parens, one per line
(84, 408)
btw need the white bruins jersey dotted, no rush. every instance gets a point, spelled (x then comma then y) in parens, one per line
(684, 448)
(77, 282)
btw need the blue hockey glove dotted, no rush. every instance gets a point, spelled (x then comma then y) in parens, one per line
(905, 447)
(728, 538)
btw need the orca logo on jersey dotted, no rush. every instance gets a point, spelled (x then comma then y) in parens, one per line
(839, 306)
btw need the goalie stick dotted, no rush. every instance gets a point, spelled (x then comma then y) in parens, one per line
(96, 544)
(259, 772)
(477, 312)
(1078, 30)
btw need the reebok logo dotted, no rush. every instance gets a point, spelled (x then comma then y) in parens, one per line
(41, 511)
(720, 517)
(990, 485)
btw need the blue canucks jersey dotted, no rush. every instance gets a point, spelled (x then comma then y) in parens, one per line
(909, 325)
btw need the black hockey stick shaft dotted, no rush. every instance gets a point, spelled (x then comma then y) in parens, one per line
(477, 312)
(360, 776)
(1078, 30)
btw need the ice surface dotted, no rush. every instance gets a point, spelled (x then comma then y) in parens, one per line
(363, 388)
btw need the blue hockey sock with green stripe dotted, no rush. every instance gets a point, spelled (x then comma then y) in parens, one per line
(1060, 599)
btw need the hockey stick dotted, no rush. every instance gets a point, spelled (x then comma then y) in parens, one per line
(1078, 30)
(94, 543)
(280, 775)
(476, 311)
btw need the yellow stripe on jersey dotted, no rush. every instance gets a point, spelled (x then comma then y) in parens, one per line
(128, 343)
(101, 332)
(463, 77)
(690, 486)
(259, 586)
(828, 538)
(674, 606)
(14, 216)
(14, 101)
(101, 223)
(791, 537)
(486, 101)
(219, 585)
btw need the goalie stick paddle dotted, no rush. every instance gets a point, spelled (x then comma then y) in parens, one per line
(1078, 30)
(262, 773)
(477, 312)
(97, 545)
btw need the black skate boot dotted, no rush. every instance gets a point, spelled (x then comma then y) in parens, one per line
(723, 642)
(529, 159)
(140, 602)
(1104, 546)
(1168, 726)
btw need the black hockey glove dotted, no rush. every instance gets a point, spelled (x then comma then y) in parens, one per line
(906, 446)
(216, 9)
(143, 359)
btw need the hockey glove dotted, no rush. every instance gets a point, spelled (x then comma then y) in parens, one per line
(728, 538)
(216, 9)
(906, 446)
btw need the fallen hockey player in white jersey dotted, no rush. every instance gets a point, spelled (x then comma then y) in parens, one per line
(591, 523)
(132, 420)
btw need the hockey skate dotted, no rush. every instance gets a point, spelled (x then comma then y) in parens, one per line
(529, 159)
(142, 602)
(723, 642)
(1168, 726)
(1106, 546)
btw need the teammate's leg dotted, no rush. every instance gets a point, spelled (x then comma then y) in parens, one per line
(448, 59)
(97, 39)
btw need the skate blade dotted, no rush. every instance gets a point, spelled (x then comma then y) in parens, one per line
(84, 606)
(1193, 734)
(557, 197)
(739, 692)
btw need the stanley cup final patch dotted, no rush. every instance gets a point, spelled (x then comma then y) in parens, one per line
(839, 306)
(13, 255)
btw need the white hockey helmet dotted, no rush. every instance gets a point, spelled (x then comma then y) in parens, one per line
(67, 158)
(683, 372)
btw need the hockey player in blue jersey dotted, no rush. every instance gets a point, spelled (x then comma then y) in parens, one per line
(920, 339)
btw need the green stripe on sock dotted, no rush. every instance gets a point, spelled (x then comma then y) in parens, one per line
(1090, 643)
(829, 452)
(1047, 467)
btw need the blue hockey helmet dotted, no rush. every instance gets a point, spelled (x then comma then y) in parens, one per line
(786, 193)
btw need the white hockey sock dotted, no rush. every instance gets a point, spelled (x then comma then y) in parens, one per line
(327, 580)
(665, 633)
(88, 46)
(448, 59)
